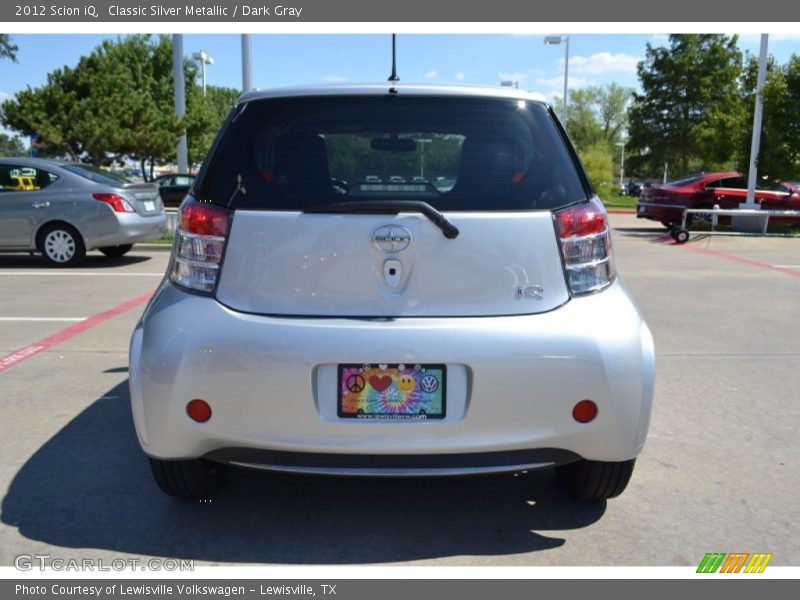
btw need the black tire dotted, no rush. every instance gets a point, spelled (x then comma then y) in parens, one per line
(116, 251)
(188, 479)
(680, 235)
(594, 481)
(61, 245)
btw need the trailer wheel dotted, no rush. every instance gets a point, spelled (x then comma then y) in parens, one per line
(680, 235)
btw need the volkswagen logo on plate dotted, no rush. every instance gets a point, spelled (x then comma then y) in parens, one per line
(391, 238)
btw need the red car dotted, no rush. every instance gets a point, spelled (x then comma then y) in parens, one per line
(666, 203)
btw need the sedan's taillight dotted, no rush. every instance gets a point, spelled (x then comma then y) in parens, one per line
(199, 244)
(115, 201)
(586, 247)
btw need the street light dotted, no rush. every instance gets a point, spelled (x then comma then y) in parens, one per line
(204, 59)
(554, 40)
(622, 165)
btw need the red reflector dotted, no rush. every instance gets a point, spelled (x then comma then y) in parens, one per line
(198, 410)
(203, 218)
(117, 202)
(584, 411)
(582, 220)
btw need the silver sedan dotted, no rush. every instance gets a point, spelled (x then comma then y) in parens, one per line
(63, 209)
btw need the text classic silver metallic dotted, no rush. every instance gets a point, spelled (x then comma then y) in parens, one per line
(320, 316)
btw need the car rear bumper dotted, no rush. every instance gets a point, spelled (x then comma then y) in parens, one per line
(133, 228)
(662, 212)
(511, 383)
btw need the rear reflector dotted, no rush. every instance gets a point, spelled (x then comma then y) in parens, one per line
(198, 410)
(584, 411)
(199, 244)
(115, 201)
(586, 247)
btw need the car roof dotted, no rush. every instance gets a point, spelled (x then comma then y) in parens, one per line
(28, 161)
(380, 89)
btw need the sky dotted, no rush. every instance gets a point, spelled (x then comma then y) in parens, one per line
(293, 59)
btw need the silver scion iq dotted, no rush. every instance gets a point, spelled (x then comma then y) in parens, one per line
(64, 209)
(321, 316)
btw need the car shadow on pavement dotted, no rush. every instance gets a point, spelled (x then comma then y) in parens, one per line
(89, 487)
(92, 261)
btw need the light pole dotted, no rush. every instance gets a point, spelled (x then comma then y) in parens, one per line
(622, 165)
(247, 69)
(180, 102)
(204, 59)
(555, 40)
(755, 142)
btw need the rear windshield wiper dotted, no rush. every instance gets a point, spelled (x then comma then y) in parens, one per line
(392, 207)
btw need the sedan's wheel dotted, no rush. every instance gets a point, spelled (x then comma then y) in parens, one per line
(62, 246)
(188, 479)
(116, 251)
(593, 481)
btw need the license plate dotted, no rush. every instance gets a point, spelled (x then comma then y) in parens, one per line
(149, 205)
(400, 392)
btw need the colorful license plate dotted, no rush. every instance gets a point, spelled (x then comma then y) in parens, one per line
(401, 392)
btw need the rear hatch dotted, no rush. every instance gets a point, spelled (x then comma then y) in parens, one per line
(469, 232)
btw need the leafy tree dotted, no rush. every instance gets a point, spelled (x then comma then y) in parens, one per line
(598, 114)
(599, 163)
(779, 154)
(11, 146)
(204, 116)
(689, 102)
(7, 48)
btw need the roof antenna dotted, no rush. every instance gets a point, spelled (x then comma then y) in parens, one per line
(393, 77)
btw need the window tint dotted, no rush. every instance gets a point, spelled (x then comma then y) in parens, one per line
(736, 183)
(770, 185)
(687, 181)
(17, 178)
(96, 175)
(454, 153)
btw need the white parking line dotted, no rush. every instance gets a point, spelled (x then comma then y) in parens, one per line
(89, 273)
(46, 319)
(787, 266)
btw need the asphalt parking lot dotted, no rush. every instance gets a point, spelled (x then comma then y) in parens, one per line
(718, 472)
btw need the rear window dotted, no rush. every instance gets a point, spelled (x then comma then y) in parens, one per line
(96, 175)
(455, 153)
(685, 182)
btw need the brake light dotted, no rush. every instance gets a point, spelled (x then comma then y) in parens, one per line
(586, 247)
(115, 201)
(199, 244)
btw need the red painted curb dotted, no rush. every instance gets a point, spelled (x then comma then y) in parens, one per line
(9, 360)
(739, 259)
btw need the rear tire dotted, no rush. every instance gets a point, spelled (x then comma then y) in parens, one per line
(594, 481)
(188, 479)
(61, 245)
(116, 251)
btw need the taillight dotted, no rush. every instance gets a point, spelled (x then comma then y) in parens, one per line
(199, 243)
(115, 201)
(586, 247)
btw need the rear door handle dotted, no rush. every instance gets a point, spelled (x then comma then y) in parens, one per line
(41, 204)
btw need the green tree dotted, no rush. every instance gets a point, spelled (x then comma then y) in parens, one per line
(599, 163)
(7, 48)
(204, 116)
(779, 154)
(11, 146)
(690, 98)
(598, 114)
